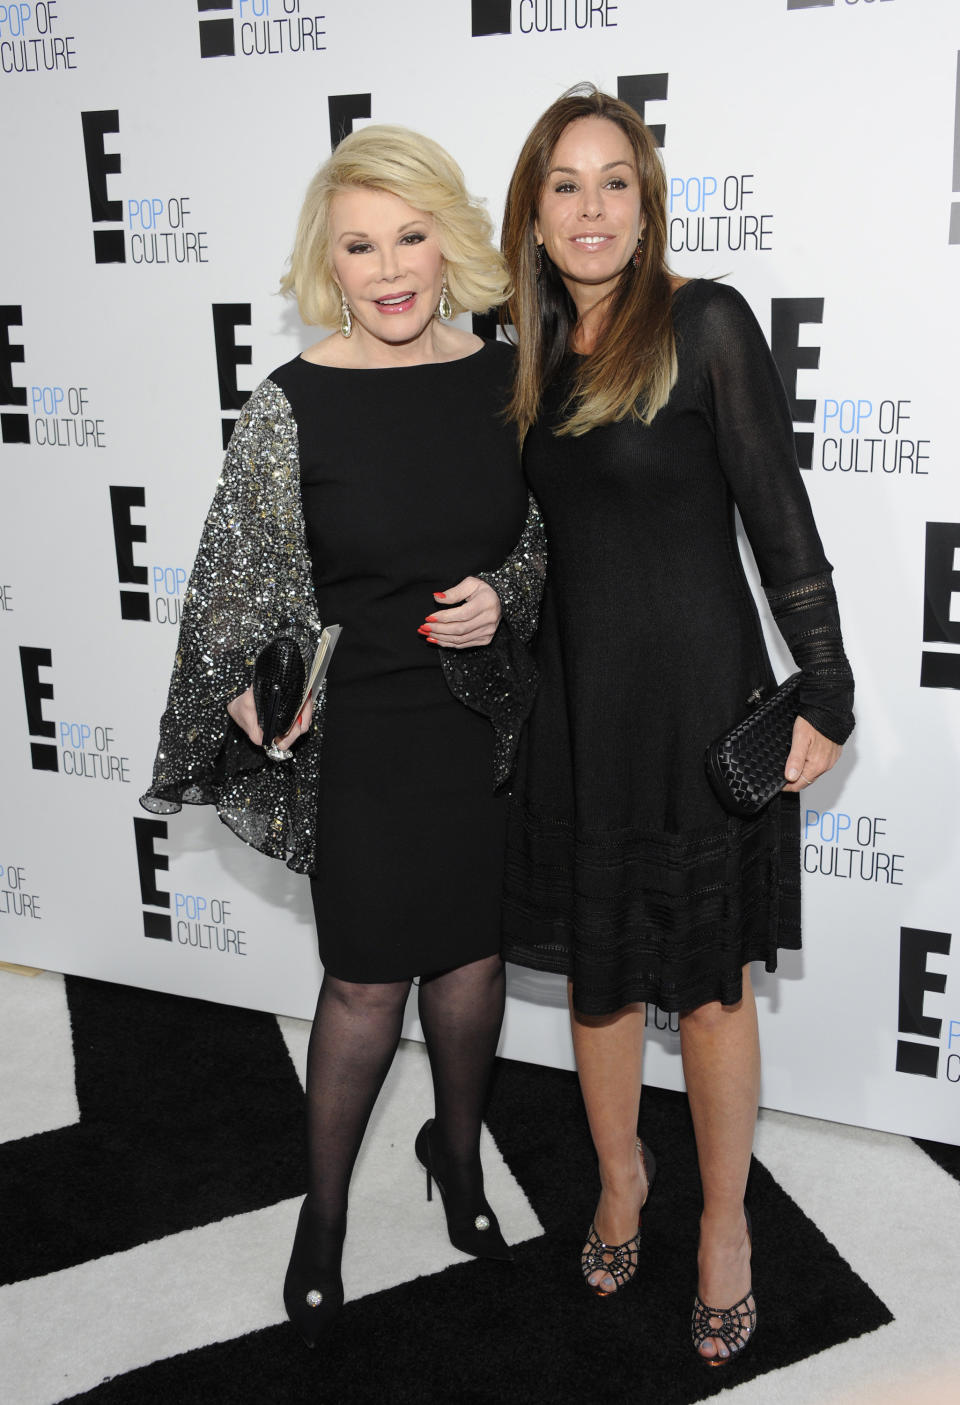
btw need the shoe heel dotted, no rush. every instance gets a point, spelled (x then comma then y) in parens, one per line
(473, 1233)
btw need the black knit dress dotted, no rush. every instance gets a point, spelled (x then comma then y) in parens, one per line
(623, 870)
(410, 481)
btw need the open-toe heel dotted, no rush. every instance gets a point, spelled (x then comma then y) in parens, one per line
(734, 1326)
(312, 1292)
(472, 1228)
(618, 1261)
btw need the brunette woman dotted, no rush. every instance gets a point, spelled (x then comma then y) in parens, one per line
(650, 409)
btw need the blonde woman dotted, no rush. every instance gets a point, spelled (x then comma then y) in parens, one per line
(373, 482)
(651, 408)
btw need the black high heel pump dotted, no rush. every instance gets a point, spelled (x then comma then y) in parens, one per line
(472, 1228)
(312, 1295)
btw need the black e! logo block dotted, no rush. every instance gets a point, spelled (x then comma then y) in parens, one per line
(640, 88)
(14, 427)
(216, 36)
(227, 317)
(786, 317)
(43, 755)
(108, 244)
(150, 863)
(941, 585)
(344, 110)
(489, 17)
(134, 604)
(915, 980)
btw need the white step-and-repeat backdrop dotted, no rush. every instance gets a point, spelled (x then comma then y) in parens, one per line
(155, 160)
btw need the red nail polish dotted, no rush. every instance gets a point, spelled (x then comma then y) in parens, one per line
(431, 619)
(299, 719)
(439, 595)
(422, 629)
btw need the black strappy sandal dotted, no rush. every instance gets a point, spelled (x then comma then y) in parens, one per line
(735, 1325)
(618, 1260)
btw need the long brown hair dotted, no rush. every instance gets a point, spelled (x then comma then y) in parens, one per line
(633, 367)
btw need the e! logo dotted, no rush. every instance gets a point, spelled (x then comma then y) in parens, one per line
(638, 89)
(134, 604)
(489, 17)
(149, 862)
(108, 244)
(216, 36)
(344, 110)
(915, 980)
(786, 317)
(941, 605)
(227, 317)
(43, 756)
(14, 427)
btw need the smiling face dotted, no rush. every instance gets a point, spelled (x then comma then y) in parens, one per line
(388, 263)
(590, 214)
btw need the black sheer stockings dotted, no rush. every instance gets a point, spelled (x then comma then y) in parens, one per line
(355, 1035)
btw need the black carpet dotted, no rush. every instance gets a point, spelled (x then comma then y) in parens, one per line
(191, 1112)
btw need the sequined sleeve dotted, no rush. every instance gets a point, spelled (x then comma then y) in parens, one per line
(251, 574)
(519, 581)
(500, 680)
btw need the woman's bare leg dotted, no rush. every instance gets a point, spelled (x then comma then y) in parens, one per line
(609, 1051)
(721, 1065)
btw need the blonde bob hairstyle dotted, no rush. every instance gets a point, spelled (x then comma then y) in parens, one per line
(633, 367)
(417, 170)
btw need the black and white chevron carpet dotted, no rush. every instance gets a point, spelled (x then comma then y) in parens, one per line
(151, 1168)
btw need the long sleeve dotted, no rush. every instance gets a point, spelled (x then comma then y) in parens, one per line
(500, 679)
(251, 576)
(754, 436)
(519, 580)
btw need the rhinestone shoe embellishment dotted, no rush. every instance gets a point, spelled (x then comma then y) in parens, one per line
(481, 1222)
(314, 1299)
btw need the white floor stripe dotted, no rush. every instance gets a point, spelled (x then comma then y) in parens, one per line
(894, 1215)
(37, 1084)
(66, 1332)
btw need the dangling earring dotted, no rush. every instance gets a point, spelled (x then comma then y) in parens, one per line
(638, 251)
(346, 321)
(445, 308)
(539, 260)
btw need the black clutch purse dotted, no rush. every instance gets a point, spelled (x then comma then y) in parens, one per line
(279, 679)
(745, 765)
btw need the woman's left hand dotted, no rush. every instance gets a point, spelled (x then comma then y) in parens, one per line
(469, 621)
(811, 753)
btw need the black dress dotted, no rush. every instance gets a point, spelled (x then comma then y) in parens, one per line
(410, 481)
(623, 871)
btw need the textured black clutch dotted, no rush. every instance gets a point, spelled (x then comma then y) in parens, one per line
(745, 765)
(279, 679)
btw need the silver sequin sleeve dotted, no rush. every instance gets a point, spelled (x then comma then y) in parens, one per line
(500, 680)
(252, 575)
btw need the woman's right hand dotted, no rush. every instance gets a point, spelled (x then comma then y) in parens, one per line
(243, 711)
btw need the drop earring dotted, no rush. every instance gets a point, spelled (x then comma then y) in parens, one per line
(538, 264)
(445, 308)
(346, 321)
(638, 251)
